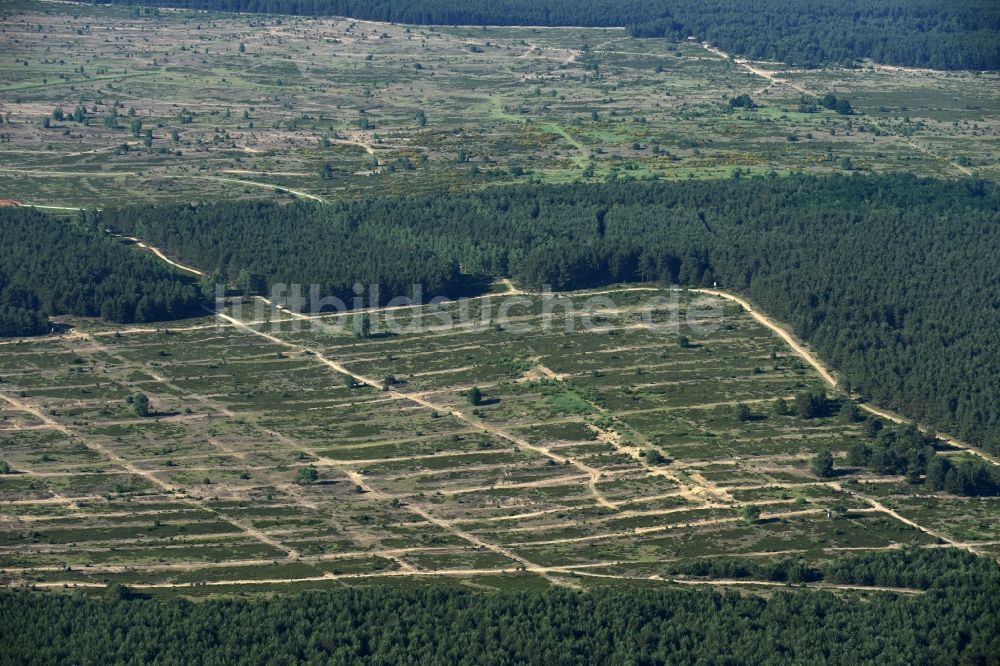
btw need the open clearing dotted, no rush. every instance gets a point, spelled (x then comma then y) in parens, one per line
(342, 108)
(608, 452)
(283, 451)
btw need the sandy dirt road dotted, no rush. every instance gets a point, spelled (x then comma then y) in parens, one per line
(830, 379)
(772, 77)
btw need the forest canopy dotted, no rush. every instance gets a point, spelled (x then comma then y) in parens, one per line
(940, 34)
(957, 620)
(890, 278)
(50, 266)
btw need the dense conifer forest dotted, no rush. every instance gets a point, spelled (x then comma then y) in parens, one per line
(961, 34)
(49, 266)
(892, 279)
(957, 620)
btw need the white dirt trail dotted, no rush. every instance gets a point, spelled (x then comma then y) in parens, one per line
(593, 474)
(470, 421)
(146, 474)
(773, 78)
(829, 377)
(758, 316)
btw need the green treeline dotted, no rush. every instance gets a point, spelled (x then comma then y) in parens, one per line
(892, 279)
(901, 450)
(15, 321)
(957, 620)
(906, 451)
(49, 266)
(300, 244)
(955, 34)
(913, 568)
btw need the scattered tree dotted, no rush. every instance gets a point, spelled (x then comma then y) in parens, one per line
(822, 465)
(140, 404)
(781, 407)
(810, 404)
(850, 412)
(361, 325)
(306, 476)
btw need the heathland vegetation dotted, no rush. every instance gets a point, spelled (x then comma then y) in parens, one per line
(517, 477)
(832, 257)
(919, 33)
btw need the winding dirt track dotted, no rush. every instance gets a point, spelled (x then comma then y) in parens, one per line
(220, 179)
(423, 402)
(828, 376)
(146, 474)
(773, 78)
(463, 573)
(594, 475)
(164, 257)
(758, 316)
